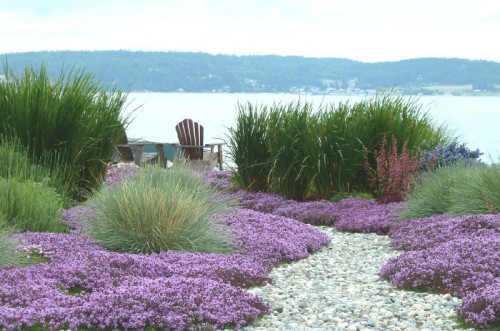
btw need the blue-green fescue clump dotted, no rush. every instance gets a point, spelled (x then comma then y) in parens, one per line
(158, 210)
(447, 155)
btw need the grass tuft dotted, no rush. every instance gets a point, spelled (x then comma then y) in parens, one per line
(160, 210)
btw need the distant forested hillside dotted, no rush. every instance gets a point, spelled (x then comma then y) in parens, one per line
(201, 72)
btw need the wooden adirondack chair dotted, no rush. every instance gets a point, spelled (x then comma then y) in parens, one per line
(201, 155)
(125, 152)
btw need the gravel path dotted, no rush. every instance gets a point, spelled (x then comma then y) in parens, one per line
(338, 288)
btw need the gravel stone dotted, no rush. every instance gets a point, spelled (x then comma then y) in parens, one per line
(338, 288)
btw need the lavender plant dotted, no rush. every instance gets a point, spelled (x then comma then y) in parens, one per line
(446, 155)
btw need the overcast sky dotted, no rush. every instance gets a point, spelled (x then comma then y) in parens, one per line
(365, 30)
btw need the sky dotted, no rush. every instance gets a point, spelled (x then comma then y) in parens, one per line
(363, 30)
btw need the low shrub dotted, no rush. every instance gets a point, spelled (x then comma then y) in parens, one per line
(31, 206)
(477, 193)
(159, 210)
(395, 173)
(170, 290)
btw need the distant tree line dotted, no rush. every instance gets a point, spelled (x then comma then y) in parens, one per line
(202, 72)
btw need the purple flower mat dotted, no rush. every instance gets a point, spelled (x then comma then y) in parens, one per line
(194, 291)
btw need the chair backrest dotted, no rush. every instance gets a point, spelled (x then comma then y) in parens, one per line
(190, 133)
(124, 151)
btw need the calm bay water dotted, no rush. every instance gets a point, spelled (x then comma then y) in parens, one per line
(475, 120)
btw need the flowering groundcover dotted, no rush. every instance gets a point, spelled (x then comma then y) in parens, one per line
(194, 291)
(170, 290)
(459, 255)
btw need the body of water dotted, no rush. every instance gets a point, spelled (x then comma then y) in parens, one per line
(475, 120)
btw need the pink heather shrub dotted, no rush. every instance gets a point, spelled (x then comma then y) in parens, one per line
(170, 290)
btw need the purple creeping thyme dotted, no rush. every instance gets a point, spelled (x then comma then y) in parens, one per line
(459, 255)
(482, 307)
(273, 238)
(118, 173)
(457, 267)
(427, 232)
(75, 217)
(171, 290)
(349, 215)
(219, 179)
(366, 216)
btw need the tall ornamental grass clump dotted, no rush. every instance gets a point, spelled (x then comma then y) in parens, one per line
(320, 152)
(70, 121)
(457, 189)
(288, 137)
(396, 116)
(158, 210)
(31, 206)
(248, 147)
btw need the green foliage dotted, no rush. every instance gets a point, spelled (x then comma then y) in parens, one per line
(457, 189)
(31, 206)
(248, 149)
(15, 163)
(321, 153)
(160, 210)
(8, 254)
(287, 140)
(68, 122)
(478, 192)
